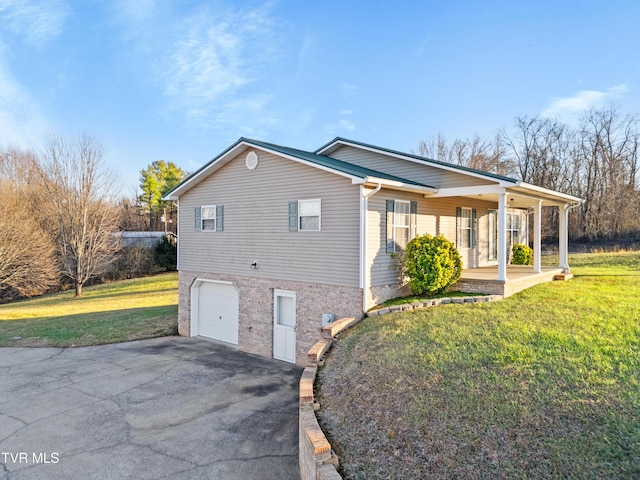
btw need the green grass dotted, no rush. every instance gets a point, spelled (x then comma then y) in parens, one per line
(545, 384)
(113, 312)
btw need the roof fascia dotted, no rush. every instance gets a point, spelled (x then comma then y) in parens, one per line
(204, 171)
(464, 191)
(546, 192)
(395, 185)
(333, 145)
(230, 153)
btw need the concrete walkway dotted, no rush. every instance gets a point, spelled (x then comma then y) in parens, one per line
(173, 407)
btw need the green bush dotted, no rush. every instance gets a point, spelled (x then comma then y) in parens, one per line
(522, 254)
(432, 264)
(166, 253)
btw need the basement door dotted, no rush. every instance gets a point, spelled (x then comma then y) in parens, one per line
(284, 325)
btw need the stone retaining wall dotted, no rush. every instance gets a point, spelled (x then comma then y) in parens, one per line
(433, 302)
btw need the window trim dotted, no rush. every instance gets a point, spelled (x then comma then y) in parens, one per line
(392, 245)
(520, 232)
(473, 237)
(396, 226)
(461, 229)
(492, 240)
(300, 216)
(203, 218)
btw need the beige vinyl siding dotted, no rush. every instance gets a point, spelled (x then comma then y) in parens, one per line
(256, 223)
(411, 170)
(435, 216)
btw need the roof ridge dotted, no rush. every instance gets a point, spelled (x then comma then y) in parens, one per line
(346, 167)
(421, 158)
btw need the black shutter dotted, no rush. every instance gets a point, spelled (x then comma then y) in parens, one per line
(391, 206)
(293, 216)
(219, 218)
(413, 228)
(198, 218)
(458, 220)
(474, 229)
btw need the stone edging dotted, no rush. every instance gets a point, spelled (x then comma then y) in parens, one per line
(316, 459)
(433, 302)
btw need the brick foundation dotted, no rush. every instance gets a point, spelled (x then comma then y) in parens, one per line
(382, 293)
(255, 329)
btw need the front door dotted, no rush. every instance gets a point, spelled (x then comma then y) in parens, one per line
(284, 325)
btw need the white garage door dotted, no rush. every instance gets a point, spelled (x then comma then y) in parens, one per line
(217, 314)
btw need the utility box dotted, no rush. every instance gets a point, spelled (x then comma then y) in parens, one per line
(327, 318)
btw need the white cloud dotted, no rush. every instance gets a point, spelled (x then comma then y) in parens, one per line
(21, 121)
(569, 108)
(347, 125)
(211, 61)
(35, 21)
(348, 88)
(138, 10)
(346, 112)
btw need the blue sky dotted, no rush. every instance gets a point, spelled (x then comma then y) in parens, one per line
(183, 80)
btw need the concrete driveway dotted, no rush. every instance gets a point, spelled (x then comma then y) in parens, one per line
(173, 407)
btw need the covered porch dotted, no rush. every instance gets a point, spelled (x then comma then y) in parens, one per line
(503, 278)
(519, 277)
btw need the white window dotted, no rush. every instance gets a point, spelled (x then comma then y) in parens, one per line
(516, 231)
(309, 215)
(208, 218)
(493, 234)
(464, 227)
(401, 224)
(402, 219)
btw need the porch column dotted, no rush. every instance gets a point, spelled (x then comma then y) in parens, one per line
(537, 237)
(563, 235)
(502, 237)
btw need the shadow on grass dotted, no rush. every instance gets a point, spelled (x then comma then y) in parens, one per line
(94, 328)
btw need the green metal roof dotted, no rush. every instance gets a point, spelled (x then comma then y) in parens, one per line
(332, 163)
(422, 159)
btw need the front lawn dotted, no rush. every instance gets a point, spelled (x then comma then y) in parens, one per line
(109, 313)
(545, 384)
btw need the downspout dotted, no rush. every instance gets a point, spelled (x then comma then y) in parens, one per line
(178, 222)
(364, 271)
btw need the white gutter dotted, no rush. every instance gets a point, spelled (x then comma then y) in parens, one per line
(397, 185)
(364, 271)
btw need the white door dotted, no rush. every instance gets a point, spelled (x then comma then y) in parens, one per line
(217, 311)
(284, 325)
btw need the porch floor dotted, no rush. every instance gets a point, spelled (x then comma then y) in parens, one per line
(519, 277)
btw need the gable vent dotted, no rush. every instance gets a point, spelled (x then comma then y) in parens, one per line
(252, 160)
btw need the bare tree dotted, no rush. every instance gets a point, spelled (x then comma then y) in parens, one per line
(27, 261)
(475, 152)
(607, 163)
(79, 207)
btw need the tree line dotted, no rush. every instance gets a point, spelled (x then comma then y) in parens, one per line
(59, 213)
(596, 160)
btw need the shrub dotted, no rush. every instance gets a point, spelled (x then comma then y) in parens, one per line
(132, 262)
(166, 253)
(522, 254)
(433, 264)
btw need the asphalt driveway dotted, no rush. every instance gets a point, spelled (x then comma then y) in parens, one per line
(173, 407)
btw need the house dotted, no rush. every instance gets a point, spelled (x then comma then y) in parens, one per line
(272, 238)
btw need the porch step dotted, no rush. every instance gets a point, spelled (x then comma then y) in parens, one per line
(563, 276)
(340, 325)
